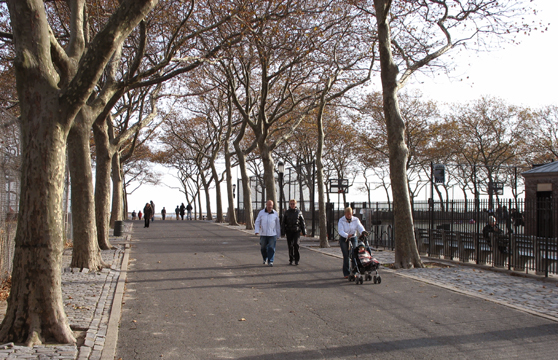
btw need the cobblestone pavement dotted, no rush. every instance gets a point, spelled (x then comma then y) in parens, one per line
(87, 300)
(527, 294)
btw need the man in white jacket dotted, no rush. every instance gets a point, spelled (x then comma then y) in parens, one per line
(347, 228)
(268, 226)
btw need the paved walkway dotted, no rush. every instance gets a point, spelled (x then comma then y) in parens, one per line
(197, 290)
(204, 295)
(527, 294)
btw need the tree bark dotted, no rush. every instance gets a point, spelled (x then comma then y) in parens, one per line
(230, 197)
(50, 97)
(206, 185)
(269, 174)
(406, 253)
(219, 217)
(246, 190)
(322, 215)
(86, 252)
(102, 182)
(35, 310)
(117, 190)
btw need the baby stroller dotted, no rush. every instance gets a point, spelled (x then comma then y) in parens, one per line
(362, 263)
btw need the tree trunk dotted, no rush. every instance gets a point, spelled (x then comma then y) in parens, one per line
(86, 252)
(269, 174)
(322, 215)
(199, 206)
(219, 217)
(406, 253)
(230, 197)
(35, 310)
(102, 183)
(246, 191)
(206, 184)
(117, 190)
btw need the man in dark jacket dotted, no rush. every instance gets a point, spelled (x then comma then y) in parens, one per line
(182, 211)
(189, 210)
(292, 225)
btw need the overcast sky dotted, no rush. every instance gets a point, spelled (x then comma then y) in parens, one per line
(520, 74)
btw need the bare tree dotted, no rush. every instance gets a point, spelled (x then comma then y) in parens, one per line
(414, 48)
(53, 85)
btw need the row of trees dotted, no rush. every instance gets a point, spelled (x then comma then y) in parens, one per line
(251, 72)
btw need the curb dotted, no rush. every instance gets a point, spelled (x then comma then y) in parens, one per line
(109, 349)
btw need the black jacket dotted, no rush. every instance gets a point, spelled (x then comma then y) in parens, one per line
(293, 221)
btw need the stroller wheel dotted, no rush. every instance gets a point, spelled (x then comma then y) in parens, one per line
(368, 277)
(379, 279)
(375, 279)
(361, 280)
(351, 277)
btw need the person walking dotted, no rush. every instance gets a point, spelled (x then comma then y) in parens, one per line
(347, 228)
(140, 214)
(182, 210)
(177, 211)
(268, 226)
(189, 209)
(152, 210)
(147, 214)
(163, 213)
(134, 215)
(292, 225)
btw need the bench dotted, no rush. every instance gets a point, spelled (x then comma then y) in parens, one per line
(451, 245)
(500, 249)
(422, 239)
(546, 252)
(523, 251)
(485, 249)
(436, 243)
(466, 244)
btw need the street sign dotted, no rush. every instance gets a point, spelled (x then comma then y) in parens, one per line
(496, 187)
(439, 174)
(339, 186)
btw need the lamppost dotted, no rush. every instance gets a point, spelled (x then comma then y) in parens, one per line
(281, 171)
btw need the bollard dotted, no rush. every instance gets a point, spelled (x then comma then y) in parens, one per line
(118, 225)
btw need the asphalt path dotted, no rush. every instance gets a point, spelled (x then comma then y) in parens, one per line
(197, 290)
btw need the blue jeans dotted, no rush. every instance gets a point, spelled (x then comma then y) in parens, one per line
(344, 245)
(267, 244)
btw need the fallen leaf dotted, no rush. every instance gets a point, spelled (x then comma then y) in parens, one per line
(480, 290)
(242, 319)
(134, 321)
(158, 262)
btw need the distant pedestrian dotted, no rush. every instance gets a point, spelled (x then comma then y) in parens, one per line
(189, 209)
(147, 214)
(134, 215)
(177, 211)
(292, 225)
(153, 210)
(268, 226)
(347, 228)
(182, 211)
(163, 213)
(140, 214)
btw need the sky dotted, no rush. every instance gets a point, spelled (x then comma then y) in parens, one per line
(520, 74)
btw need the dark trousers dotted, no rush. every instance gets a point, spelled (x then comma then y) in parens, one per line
(344, 245)
(293, 241)
(146, 221)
